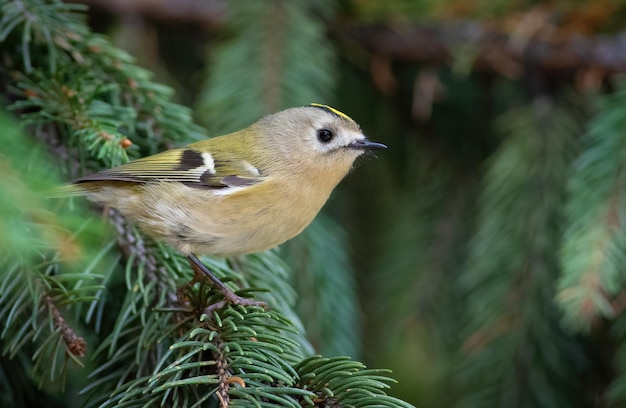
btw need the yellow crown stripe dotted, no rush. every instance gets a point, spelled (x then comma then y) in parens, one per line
(332, 110)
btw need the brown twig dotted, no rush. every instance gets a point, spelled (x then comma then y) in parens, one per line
(492, 50)
(134, 245)
(75, 344)
(204, 13)
(223, 376)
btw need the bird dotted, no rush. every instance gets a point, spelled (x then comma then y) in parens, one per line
(239, 193)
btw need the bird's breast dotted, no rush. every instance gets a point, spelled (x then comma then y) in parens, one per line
(249, 219)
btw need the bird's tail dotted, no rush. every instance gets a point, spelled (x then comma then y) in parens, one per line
(67, 190)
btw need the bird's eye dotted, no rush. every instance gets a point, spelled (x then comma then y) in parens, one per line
(324, 135)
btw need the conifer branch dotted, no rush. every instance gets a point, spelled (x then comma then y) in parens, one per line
(594, 242)
(295, 46)
(510, 277)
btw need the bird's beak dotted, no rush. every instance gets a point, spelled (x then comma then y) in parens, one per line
(364, 144)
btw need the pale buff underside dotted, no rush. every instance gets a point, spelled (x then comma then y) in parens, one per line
(215, 222)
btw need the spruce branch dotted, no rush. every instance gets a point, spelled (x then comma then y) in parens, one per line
(29, 308)
(290, 59)
(106, 101)
(512, 332)
(341, 382)
(326, 287)
(592, 253)
(616, 391)
(405, 248)
(47, 265)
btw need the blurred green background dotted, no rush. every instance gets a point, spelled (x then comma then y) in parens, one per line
(481, 257)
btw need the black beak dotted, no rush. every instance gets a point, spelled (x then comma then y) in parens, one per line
(364, 144)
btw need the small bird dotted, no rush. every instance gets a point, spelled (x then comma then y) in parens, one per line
(239, 193)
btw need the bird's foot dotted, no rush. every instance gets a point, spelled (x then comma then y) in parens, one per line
(229, 296)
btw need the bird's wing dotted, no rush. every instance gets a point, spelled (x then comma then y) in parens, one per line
(185, 165)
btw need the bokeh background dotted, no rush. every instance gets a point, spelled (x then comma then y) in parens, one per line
(481, 257)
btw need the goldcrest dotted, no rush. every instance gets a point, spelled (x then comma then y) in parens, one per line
(239, 193)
